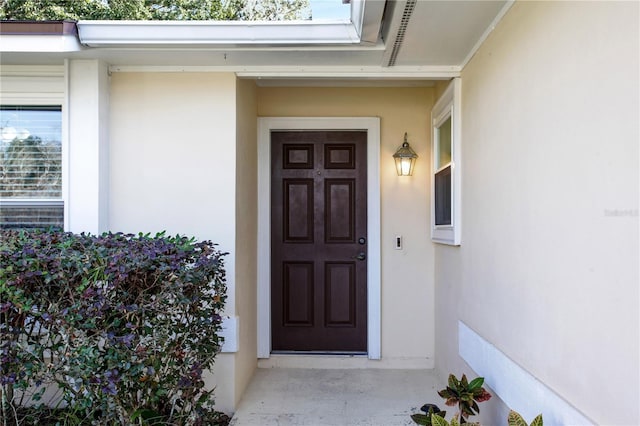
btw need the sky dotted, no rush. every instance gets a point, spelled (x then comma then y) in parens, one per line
(23, 123)
(330, 10)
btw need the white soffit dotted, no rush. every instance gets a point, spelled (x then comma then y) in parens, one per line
(441, 32)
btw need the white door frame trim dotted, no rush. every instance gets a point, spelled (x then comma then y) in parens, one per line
(372, 127)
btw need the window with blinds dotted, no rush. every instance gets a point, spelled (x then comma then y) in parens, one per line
(31, 167)
(446, 195)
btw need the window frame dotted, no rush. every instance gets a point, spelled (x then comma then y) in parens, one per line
(447, 106)
(34, 86)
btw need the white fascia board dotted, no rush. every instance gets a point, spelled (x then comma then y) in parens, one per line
(212, 33)
(304, 72)
(19, 43)
(377, 72)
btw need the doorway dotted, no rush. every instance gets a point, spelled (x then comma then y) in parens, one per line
(341, 317)
(319, 241)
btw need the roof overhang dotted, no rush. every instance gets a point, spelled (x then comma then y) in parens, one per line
(41, 36)
(390, 40)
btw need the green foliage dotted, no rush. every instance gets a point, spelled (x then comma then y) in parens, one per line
(441, 421)
(155, 9)
(515, 419)
(465, 395)
(29, 168)
(116, 9)
(121, 326)
(274, 10)
(39, 10)
(425, 419)
(186, 10)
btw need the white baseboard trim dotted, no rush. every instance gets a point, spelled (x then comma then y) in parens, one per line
(513, 384)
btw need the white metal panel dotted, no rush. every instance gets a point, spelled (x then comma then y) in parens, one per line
(32, 85)
(513, 384)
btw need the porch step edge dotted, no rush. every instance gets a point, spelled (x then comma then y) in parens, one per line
(344, 362)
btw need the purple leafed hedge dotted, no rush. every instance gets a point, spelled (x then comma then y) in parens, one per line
(111, 329)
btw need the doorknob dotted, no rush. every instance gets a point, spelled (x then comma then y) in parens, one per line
(360, 256)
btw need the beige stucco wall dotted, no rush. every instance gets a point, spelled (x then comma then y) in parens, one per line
(548, 266)
(172, 167)
(246, 232)
(407, 275)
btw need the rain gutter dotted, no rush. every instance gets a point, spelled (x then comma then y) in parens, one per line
(214, 33)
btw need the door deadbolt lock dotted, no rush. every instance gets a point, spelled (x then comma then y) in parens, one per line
(362, 241)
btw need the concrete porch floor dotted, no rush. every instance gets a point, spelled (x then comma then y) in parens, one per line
(335, 397)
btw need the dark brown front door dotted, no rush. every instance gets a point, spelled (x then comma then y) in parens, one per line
(319, 241)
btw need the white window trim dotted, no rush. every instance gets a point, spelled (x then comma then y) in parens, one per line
(372, 126)
(449, 105)
(30, 85)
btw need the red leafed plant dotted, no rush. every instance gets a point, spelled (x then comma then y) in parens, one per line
(465, 395)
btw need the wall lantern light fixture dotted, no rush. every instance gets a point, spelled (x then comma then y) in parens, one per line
(405, 158)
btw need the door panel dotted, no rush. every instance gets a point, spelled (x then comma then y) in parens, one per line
(297, 294)
(340, 294)
(318, 211)
(339, 202)
(298, 210)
